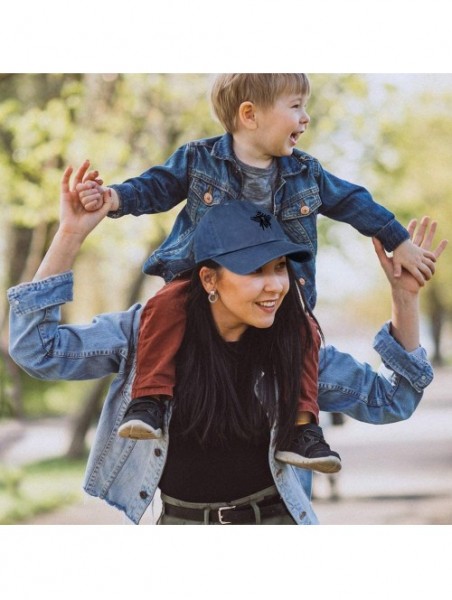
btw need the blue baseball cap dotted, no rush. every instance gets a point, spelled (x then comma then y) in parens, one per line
(242, 238)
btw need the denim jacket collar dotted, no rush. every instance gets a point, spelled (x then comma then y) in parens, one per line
(287, 165)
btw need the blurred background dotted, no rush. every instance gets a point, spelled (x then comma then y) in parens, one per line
(391, 133)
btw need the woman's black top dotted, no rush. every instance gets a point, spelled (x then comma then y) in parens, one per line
(195, 472)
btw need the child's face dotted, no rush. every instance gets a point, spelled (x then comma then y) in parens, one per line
(280, 126)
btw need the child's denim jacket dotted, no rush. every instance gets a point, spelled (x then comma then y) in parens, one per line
(206, 173)
(126, 473)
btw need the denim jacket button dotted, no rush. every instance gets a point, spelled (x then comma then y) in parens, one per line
(208, 199)
(158, 452)
(304, 210)
(143, 495)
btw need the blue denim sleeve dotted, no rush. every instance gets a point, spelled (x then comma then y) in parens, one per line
(353, 204)
(385, 396)
(46, 349)
(157, 190)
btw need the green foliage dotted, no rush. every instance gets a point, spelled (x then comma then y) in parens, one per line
(44, 398)
(38, 488)
(50, 398)
(124, 124)
(413, 164)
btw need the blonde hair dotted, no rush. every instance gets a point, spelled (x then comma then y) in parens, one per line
(229, 90)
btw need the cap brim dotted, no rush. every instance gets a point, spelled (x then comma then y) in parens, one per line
(249, 259)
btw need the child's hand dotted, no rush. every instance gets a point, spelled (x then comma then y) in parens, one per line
(74, 219)
(410, 255)
(92, 175)
(91, 195)
(90, 192)
(422, 236)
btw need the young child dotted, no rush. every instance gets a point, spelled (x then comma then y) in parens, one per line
(264, 115)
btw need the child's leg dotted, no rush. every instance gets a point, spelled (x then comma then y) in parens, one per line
(162, 329)
(309, 449)
(308, 408)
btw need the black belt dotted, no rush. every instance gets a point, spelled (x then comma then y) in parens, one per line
(230, 515)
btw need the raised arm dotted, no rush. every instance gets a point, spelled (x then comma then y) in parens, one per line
(75, 225)
(38, 342)
(393, 392)
(406, 287)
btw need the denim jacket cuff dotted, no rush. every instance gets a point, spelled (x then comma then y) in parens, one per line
(126, 196)
(413, 366)
(392, 235)
(37, 295)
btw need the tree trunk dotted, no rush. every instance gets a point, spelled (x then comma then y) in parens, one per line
(437, 317)
(89, 412)
(11, 395)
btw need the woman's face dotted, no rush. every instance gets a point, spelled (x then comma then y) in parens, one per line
(246, 300)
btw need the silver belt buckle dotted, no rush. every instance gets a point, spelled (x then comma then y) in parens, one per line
(220, 514)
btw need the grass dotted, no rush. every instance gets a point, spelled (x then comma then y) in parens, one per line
(38, 488)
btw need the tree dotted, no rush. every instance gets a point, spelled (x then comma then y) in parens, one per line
(30, 156)
(413, 167)
(127, 123)
(391, 136)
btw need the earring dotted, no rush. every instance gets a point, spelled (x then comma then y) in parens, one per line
(212, 296)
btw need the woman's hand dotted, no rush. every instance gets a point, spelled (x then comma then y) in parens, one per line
(74, 219)
(405, 288)
(75, 224)
(422, 237)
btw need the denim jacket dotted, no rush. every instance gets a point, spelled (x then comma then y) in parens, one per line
(206, 173)
(126, 473)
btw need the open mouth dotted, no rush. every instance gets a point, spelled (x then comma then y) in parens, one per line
(267, 305)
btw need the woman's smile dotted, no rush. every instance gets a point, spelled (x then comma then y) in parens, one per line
(268, 306)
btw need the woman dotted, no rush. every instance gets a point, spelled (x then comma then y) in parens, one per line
(218, 404)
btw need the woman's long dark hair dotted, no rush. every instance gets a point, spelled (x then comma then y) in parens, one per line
(215, 395)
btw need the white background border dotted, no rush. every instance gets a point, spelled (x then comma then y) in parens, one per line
(200, 36)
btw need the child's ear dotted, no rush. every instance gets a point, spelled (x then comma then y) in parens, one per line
(247, 115)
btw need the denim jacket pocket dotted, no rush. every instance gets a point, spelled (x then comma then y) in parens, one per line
(298, 217)
(203, 193)
(302, 204)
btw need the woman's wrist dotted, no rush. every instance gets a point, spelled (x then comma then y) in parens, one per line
(61, 254)
(70, 241)
(405, 299)
(405, 318)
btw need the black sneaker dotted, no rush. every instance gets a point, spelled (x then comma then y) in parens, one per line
(309, 450)
(143, 419)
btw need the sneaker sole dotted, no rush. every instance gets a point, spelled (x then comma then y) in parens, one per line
(137, 430)
(326, 464)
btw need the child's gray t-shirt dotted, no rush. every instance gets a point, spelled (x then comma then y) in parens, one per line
(259, 184)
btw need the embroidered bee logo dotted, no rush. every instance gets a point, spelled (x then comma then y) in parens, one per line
(263, 219)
